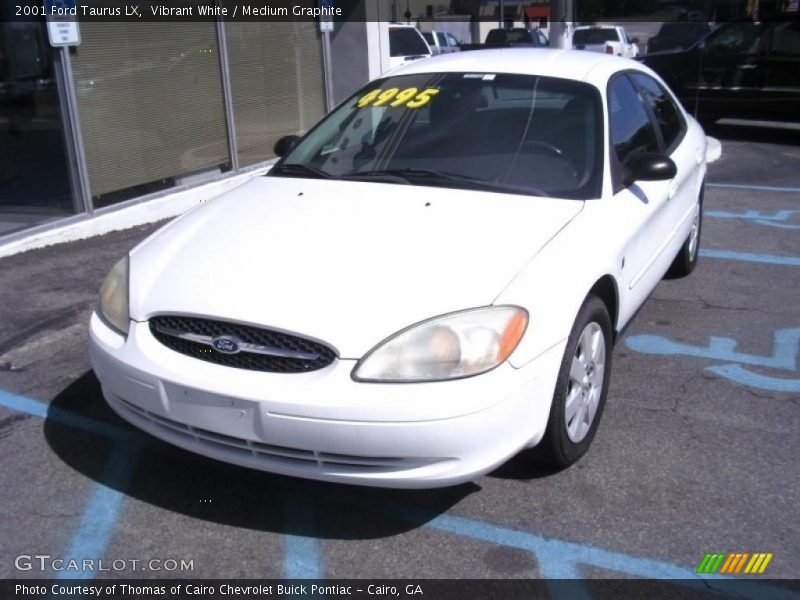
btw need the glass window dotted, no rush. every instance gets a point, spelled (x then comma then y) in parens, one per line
(453, 41)
(276, 83)
(594, 36)
(428, 35)
(735, 39)
(34, 177)
(151, 105)
(785, 39)
(667, 115)
(631, 129)
(442, 40)
(488, 131)
(406, 41)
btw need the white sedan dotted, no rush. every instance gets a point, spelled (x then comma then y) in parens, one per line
(428, 282)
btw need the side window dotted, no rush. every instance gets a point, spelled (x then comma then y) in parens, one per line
(735, 39)
(631, 129)
(785, 39)
(453, 41)
(442, 40)
(668, 116)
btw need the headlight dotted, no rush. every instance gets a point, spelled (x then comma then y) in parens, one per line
(447, 347)
(114, 297)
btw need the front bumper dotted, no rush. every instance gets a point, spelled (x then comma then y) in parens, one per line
(323, 425)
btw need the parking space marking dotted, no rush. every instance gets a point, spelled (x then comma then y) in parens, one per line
(761, 188)
(301, 553)
(769, 259)
(777, 219)
(785, 350)
(559, 558)
(100, 515)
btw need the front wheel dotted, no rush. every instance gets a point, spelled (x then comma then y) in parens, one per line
(581, 387)
(686, 261)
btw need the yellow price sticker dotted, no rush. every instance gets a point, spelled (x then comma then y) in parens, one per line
(395, 97)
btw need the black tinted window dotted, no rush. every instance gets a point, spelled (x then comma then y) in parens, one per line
(735, 39)
(631, 129)
(667, 114)
(785, 39)
(405, 42)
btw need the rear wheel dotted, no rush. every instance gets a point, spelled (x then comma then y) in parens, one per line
(581, 387)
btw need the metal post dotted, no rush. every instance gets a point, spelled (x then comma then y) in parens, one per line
(227, 95)
(502, 24)
(327, 70)
(562, 16)
(83, 191)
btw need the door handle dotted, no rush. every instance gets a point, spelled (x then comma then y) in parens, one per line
(673, 189)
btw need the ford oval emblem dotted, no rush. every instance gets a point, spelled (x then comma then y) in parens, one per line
(226, 344)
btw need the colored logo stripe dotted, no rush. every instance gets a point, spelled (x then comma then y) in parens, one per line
(733, 563)
(758, 563)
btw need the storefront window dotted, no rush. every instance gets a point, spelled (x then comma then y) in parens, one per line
(34, 176)
(277, 83)
(151, 106)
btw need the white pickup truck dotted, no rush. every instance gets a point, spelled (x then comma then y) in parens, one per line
(608, 39)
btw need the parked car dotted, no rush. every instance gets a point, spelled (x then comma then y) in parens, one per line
(677, 36)
(743, 69)
(406, 45)
(608, 39)
(441, 42)
(511, 38)
(427, 282)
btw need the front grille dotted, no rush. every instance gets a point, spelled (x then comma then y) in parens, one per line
(267, 453)
(173, 331)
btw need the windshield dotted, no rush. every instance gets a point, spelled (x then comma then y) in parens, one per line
(492, 131)
(405, 41)
(595, 36)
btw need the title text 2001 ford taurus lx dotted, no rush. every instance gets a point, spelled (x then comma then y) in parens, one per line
(426, 283)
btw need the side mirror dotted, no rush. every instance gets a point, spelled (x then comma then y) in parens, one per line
(649, 166)
(286, 143)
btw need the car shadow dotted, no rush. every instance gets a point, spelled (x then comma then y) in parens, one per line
(180, 481)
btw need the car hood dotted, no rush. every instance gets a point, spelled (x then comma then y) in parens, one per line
(345, 262)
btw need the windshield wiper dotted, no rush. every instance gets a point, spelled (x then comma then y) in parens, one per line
(436, 176)
(300, 170)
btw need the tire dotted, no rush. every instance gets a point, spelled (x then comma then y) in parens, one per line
(568, 434)
(686, 260)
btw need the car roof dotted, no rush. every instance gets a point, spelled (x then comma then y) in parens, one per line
(546, 62)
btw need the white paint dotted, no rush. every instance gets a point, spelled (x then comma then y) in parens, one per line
(151, 211)
(713, 150)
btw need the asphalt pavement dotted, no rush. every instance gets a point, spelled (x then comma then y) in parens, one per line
(697, 451)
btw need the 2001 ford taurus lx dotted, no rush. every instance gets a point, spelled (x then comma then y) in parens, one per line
(426, 283)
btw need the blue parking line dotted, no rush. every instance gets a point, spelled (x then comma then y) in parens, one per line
(302, 558)
(770, 259)
(557, 558)
(101, 513)
(763, 188)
